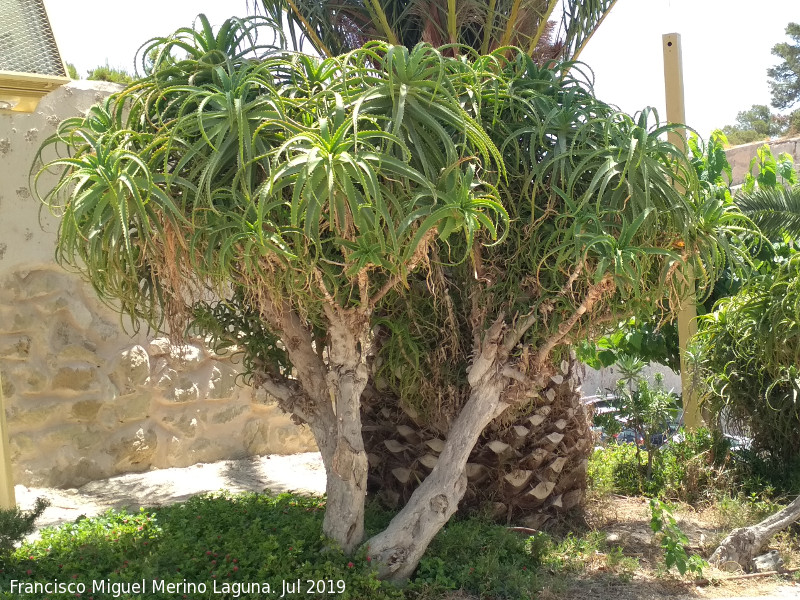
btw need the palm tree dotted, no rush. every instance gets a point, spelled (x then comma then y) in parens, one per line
(775, 210)
(335, 27)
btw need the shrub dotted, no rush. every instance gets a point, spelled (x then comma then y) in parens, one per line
(110, 74)
(615, 469)
(219, 538)
(15, 524)
(759, 472)
(481, 558)
(260, 538)
(690, 470)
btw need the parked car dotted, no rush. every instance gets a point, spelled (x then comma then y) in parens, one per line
(659, 439)
(630, 436)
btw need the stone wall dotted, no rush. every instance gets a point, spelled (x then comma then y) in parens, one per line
(84, 399)
(599, 382)
(739, 157)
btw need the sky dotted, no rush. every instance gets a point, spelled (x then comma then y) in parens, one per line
(726, 46)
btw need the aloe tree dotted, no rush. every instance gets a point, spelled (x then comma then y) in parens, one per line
(286, 206)
(403, 433)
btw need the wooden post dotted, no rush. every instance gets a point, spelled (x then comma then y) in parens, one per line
(7, 497)
(687, 311)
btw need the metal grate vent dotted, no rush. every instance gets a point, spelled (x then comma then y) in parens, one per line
(27, 44)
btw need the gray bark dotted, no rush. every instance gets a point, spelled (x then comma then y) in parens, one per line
(745, 543)
(327, 397)
(347, 468)
(398, 549)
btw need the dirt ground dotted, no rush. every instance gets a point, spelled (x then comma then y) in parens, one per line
(626, 524)
(624, 521)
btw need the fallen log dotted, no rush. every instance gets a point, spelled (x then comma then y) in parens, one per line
(745, 543)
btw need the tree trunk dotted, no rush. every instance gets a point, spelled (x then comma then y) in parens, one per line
(745, 543)
(400, 546)
(397, 550)
(346, 466)
(327, 396)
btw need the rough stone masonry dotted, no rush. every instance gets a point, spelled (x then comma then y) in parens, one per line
(84, 399)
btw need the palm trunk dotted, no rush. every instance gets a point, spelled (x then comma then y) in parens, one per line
(399, 548)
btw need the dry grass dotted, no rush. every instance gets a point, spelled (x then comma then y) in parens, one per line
(625, 522)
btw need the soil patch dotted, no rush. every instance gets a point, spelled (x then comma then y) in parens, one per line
(625, 522)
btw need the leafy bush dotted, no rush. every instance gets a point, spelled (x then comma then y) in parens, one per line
(749, 354)
(481, 558)
(763, 473)
(568, 554)
(110, 74)
(244, 538)
(614, 469)
(15, 524)
(693, 469)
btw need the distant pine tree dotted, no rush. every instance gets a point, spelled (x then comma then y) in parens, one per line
(785, 84)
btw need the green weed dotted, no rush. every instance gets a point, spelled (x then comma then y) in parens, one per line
(674, 541)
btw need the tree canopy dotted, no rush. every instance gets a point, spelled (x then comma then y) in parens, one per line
(785, 77)
(544, 29)
(756, 123)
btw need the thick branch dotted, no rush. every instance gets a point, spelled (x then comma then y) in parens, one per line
(363, 287)
(299, 342)
(595, 293)
(487, 356)
(323, 288)
(398, 549)
(515, 335)
(314, 403)
(347, 473)
(289, 394)
(283, 390)
(568, 285)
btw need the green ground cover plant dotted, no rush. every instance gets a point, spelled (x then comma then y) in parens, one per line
(217, 539)
(229, 541)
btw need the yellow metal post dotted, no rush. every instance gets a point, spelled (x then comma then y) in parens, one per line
(7, 497)
(687, 311)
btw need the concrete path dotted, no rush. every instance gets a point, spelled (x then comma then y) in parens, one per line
(302, 473)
